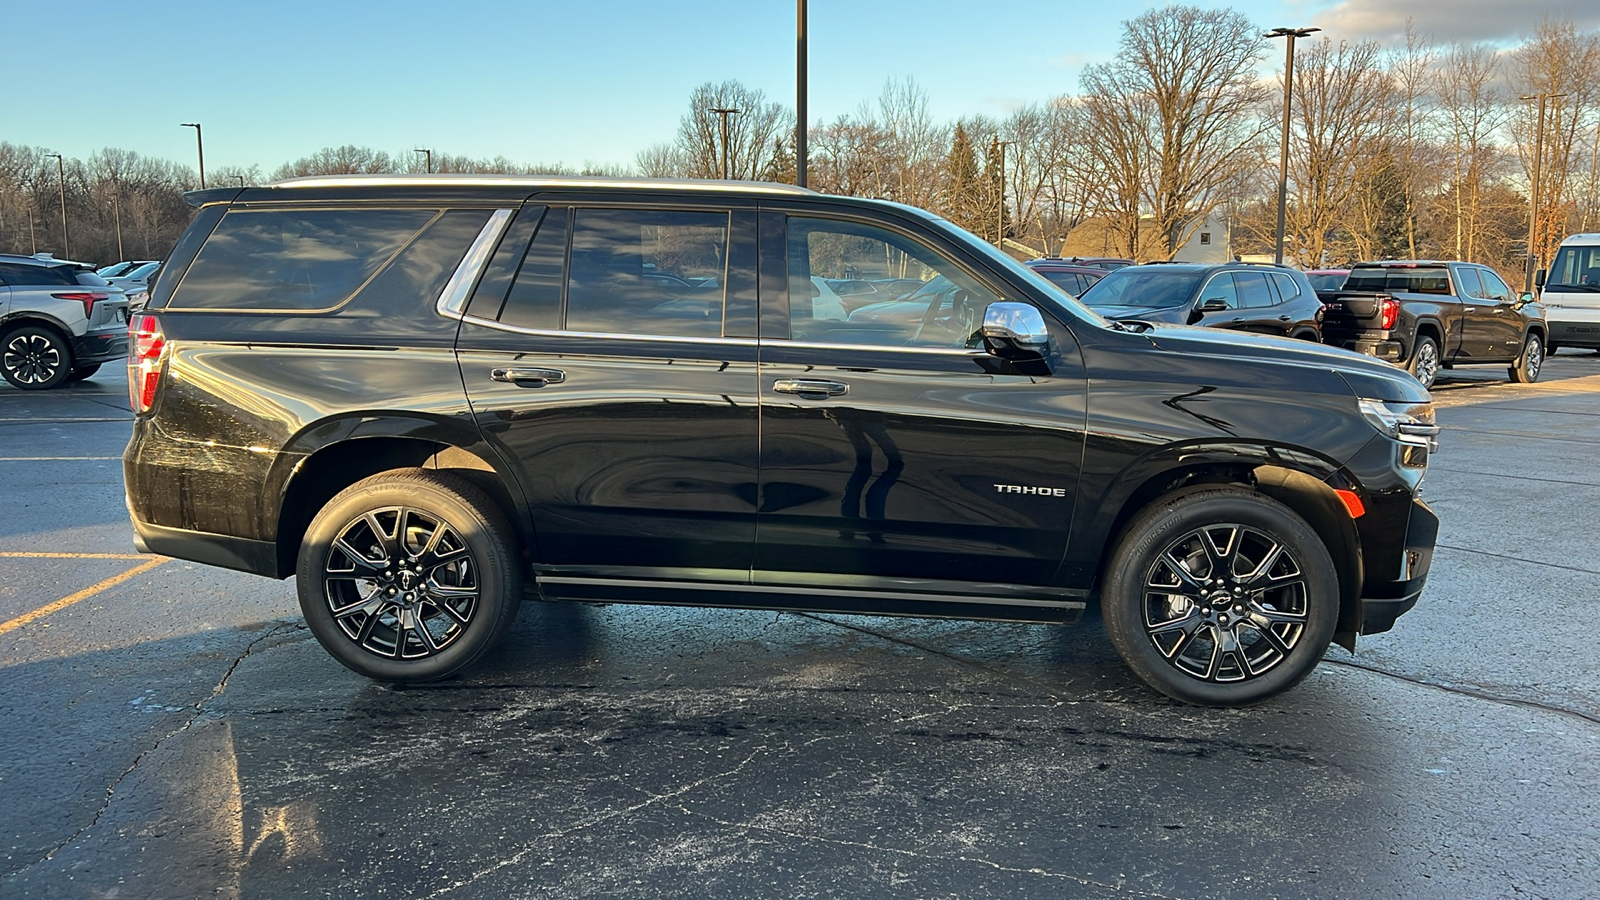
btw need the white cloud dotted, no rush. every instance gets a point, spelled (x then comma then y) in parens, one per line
(1468, 21)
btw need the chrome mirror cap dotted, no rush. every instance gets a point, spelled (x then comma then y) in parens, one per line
(1018, 324)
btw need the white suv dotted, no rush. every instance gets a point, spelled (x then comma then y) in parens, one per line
(59, 321)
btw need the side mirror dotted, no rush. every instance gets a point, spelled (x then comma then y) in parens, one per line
(1015, 331)
(1213, 304)
(1524, 298)
(1538, 278)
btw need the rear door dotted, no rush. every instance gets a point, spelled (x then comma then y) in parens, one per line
(609, 354)
(1504, 338)
(894, 451)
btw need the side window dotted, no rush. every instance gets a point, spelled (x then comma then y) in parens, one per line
(535, 298)
(1470, 285)
(1494, 287)
(295, 259)
(1220, 287)
(647, 272)
(1288, 288)
(946, 311)
(1254, 292)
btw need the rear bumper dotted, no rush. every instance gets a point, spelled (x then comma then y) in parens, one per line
(240, 554)
(1381, 348)
(98, 347)
(1384, 601)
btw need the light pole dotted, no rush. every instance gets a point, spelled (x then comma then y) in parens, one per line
(800, 94)
(200, 148)
(725, 113)
(1534, 188)
(241, 180)
(428, 154)
(1000, 213)
(116, 212)
(1283, 157)
(66, 238)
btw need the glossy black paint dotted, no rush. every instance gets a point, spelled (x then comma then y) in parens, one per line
(669, 469)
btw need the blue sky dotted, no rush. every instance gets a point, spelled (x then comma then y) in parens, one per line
(565, 82)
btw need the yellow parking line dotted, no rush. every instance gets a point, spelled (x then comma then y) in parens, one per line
(87, 592)
(28, 554)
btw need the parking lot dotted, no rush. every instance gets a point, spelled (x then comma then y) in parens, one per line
(172, 730)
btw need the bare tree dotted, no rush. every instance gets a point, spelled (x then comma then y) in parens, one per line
(750, 132)
(1473, 110)
(1563, 64)
(1416, 160)
(1191, 71)
(346, 160)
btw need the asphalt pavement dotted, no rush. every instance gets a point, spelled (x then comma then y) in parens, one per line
(172, 730)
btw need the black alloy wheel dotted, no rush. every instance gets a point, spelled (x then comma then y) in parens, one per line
(35, 358)
(409, 576)
(1221, 597)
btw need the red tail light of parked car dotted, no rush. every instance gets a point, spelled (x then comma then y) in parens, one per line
(146, 344)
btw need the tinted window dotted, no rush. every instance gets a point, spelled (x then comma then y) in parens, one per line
(1470, 285)
(1071, 282)
(412, 284)
(1142, 287)
(91, 279)
(535, 298)
(22, 274)
(1254, 292)
(294, 259)
(946, 311)
(614, 253)
(1493, 287)
(1574, 267)
(1422, 280)
(1288, 288)
(1221, 287)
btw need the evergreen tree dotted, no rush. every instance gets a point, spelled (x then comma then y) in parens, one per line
(963, 185)
(781, 166)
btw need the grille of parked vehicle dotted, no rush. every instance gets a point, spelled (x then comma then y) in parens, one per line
(425, 397)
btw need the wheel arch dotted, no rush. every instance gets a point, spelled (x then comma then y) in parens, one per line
(24, 318)
(331, 456)
(1304, 483)
(1427, 327)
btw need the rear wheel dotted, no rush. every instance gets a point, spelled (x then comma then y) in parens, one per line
(409, 575)
(1526, 368)
(35, 357)
(1220, 597)
(1425, 361)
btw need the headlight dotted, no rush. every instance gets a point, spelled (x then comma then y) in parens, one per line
(1408, 423)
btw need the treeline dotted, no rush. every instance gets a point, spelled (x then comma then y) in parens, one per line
(1414, 150)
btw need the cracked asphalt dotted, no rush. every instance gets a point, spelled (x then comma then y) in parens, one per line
(174, 731)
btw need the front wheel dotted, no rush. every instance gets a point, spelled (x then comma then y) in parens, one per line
(35, 358)
(1425, 361)
(1526, 369)
(409, 575)
(1220, 597)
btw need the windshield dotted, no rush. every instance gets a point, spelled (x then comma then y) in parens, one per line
(1140, 286)
(1327, 281)
(1575, 269)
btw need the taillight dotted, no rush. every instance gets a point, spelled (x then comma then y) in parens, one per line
(1389, 314)
(146, 344)
(87, 298)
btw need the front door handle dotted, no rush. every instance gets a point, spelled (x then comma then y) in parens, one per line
(529, 378)
(810, 387)
(1467, 309)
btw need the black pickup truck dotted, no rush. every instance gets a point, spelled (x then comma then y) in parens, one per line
(1426, 315)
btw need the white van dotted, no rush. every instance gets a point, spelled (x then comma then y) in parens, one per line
(1571, 294)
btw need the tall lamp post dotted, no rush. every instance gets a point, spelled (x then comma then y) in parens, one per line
(725, 113)
(200, 148)
(1533, 190)
(1000, 212)
(800, 94)
(66, 237)
(428, 155)
(1283, 157)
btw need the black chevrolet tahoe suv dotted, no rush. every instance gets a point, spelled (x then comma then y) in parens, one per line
(426, 396)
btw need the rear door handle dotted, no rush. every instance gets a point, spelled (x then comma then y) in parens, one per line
(809, 386)
(529, 378)
(1469, 309)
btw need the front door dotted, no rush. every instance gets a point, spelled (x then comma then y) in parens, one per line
(615, 372)
(893, 448)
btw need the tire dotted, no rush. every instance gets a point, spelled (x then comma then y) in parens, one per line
(364, 606)
(82, 372)
(1231, 643)
(1526, 368)
(1425, 361)
(35, 358)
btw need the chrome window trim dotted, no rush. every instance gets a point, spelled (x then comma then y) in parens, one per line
(820, 345)
(547, 332)
(453, 299)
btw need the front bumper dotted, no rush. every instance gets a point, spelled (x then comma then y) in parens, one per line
(1384, 600)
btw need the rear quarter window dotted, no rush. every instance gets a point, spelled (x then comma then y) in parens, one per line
(297, 260)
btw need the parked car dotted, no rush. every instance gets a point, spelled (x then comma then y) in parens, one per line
(896, 288)
(1074, 279)
(420, 403)
(1108, 263)
(1426, 315)
(137, 278)
(1264, 299)
(1570, 294)
(59, 321)
(122, 268)
(1327, 279)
